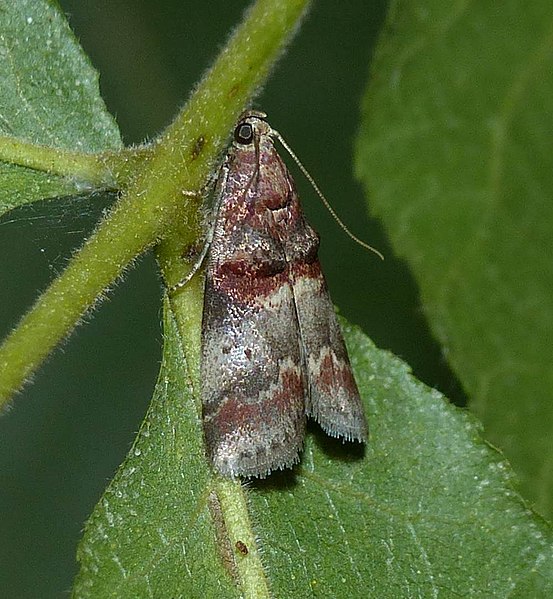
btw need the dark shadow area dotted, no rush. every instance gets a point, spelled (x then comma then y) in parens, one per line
(280, 480)
(336, 448)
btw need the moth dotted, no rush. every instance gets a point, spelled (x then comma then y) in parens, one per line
(272, 350)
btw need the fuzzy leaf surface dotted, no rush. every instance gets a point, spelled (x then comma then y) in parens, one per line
(426, 510)
(456, 156)
(49, 95)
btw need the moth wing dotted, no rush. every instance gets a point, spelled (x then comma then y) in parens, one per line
(333, 398)
(253, 384)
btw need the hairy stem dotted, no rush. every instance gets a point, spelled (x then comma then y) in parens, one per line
(153, 201)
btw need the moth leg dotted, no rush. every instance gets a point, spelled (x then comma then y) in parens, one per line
(209, 235)
(195, 267)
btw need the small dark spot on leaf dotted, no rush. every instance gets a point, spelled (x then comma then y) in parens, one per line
(198, 147)
(241, 547)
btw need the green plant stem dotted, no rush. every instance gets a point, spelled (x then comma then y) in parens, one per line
(232, 499)
(186, 306)
(87, 167)
(153, 201)
(106, 170)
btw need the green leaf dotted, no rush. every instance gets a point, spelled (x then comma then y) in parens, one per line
(49, 95)
(427, 510)
(455, 153)
(152, 534)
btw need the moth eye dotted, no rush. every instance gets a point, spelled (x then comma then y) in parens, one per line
(243, 133)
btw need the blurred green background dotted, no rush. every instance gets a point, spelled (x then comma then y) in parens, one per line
(69, 430)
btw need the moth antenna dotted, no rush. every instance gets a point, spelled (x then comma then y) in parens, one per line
(322, 197)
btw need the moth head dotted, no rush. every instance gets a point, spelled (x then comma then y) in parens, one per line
(251, 124)
(252, 129)
(243, 134)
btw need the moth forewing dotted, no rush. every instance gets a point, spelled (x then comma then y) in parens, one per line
(272, 349)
